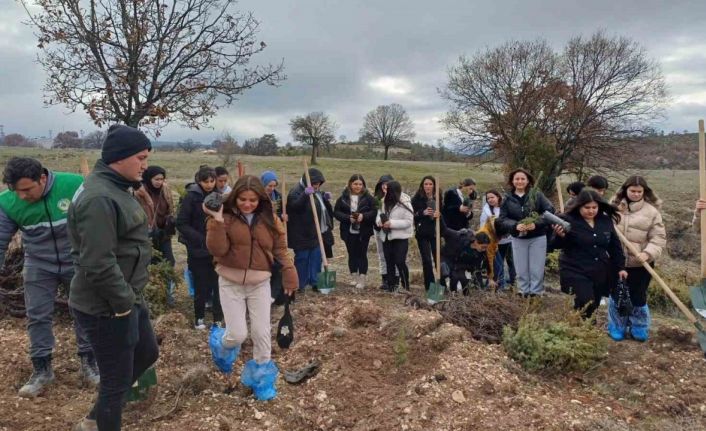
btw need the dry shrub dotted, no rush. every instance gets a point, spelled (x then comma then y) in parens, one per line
(484, 313)
(550, 346)
(364, 315)
(682, 238)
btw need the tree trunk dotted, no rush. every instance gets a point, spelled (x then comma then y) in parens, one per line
(387, 148)
(314, 150)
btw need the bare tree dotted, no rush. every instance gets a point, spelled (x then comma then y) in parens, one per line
(315, 129)
(227, 147)
(387, 125)
(554, 111)
(148, 62)
(17, 140)
(188, 146)
(94, 140)
(68, 139)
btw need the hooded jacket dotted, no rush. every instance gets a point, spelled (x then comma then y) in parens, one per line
(401, 218)
(191, 222)
(301, 230)
(642, 225)
(42, 223)
(110, 245)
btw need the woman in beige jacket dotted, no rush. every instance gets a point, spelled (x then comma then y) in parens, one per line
(641, 223)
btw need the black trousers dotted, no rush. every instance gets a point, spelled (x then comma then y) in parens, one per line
(396, 258)
(426, 250)
(124, 348)
(638, 281)
(205, 285)
(357, 247)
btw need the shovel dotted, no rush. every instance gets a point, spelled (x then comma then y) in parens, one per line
(559, 196)
(698, 292)
(84, 167)
(700, 332)
(325, 281)
(436, 289)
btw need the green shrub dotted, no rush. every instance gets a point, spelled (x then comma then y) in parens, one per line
(552, 262)
(555, 346)
(155, 291)
(401, 347)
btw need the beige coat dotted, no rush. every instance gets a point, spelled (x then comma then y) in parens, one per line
(642, 225)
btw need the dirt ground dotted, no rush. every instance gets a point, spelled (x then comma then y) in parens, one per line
(448, 381)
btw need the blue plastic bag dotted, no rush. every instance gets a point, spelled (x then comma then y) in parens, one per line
(223, 357)
(189, 281)
(261, 379)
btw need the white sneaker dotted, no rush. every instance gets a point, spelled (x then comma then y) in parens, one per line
(200, 325)
(354, 279)
(361, 282)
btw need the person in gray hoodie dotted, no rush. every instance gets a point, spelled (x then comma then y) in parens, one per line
(36, 203)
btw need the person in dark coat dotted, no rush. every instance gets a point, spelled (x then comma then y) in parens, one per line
(529, 240)
(191, 224)
(426, 210)
(464, 251)
(301, 230)
(458, 204)
(355, 211)
(271, 182)
(591, 254)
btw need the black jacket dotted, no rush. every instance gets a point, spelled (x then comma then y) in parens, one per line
(589, 255)
(301, 230)
(342, 212)
(454, 218)
(424, 226)
(191, 222)
(515, 208)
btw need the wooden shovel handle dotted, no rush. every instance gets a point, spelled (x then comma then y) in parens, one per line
(702, 193)
(438, 231)
(557, 183)
(312, 201)
(689, 315)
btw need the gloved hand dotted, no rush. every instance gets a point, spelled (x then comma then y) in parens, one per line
(309, 190)
(328, 196)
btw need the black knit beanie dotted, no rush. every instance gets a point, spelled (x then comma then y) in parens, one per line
(122, 142)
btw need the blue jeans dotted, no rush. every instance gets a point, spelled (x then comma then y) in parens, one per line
(124, 348)
(308, 264)
(40, 292)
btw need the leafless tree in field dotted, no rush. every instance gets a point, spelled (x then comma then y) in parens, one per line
(315, 129)
(147, 62)
(554, 112)
(387, 125)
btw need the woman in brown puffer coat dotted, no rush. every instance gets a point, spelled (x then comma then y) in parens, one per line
(641, 223)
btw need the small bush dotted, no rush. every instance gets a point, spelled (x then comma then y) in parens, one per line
(552, 263)
(555, 346)
(156, 289)
(401, 347)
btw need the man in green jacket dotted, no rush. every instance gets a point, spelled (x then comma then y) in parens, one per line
(111, 250)
(36, 203)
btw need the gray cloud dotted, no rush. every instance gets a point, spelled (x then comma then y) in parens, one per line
(345, 58)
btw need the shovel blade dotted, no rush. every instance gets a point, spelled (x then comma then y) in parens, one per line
(435, 292)
(701, 336)
(326, 281)
(698, 298)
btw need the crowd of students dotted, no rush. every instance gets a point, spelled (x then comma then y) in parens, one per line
(238, 259)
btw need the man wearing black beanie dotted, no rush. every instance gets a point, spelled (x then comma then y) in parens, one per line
(111, 250)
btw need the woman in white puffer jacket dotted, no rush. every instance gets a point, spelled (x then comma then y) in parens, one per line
(396, 218)
(641, 223)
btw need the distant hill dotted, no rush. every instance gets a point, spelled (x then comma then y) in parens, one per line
(677, 151)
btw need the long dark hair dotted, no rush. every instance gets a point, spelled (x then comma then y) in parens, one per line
(637, 180)
(511, 176)
(589, 195)
(393, 195)
(263, 212)
(420, 191)
(496, 193)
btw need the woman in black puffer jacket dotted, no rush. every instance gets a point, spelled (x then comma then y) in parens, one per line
(529, 240)
(355, 210)
(191, 224)
(426, 210)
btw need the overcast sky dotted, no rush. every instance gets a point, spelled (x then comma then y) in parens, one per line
(347, 57)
